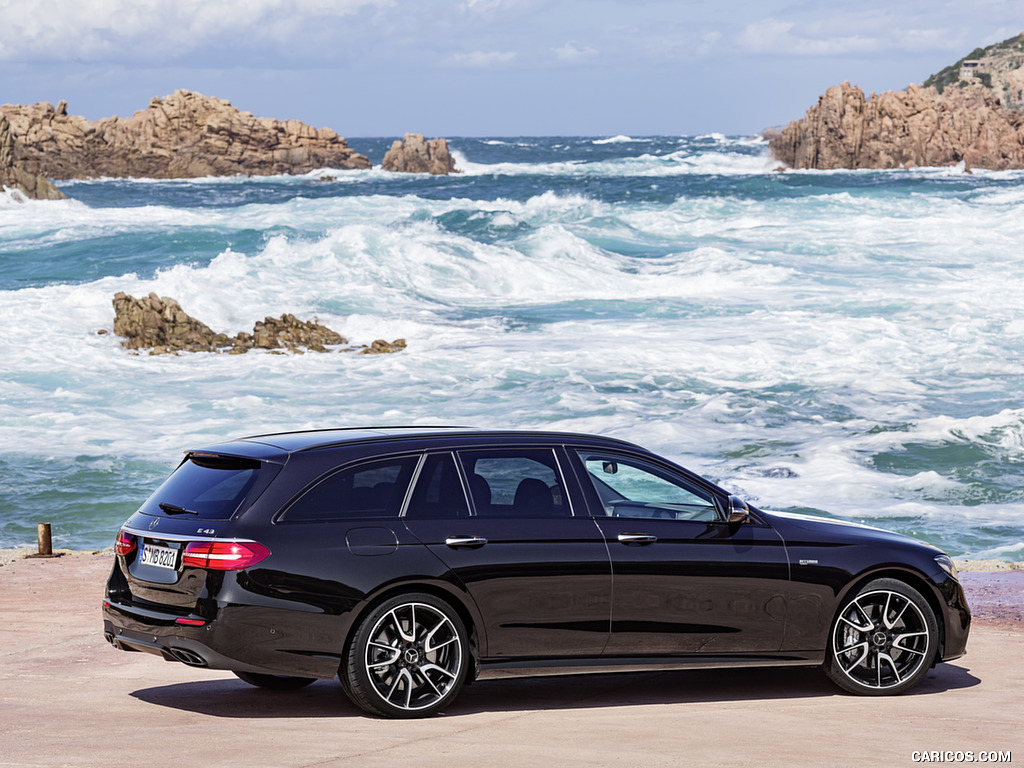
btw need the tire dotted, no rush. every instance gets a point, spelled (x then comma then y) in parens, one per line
(275, 682)
(407, 658)
(883, 640)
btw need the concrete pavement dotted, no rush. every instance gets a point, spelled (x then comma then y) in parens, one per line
(67, 698)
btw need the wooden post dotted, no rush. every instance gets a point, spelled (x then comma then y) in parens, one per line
(45, 541)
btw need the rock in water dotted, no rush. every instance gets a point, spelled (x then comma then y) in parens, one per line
(161, 325)
(14, 176)
(414, 154)
(290, 333)
(382, 347)
(183, 135)
(903, 129)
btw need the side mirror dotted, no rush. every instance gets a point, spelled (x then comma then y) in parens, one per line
(739, 512)
(609, 467)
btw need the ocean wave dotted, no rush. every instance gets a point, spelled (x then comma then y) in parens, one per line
(843, 344)
(679, 163)
(620, 139)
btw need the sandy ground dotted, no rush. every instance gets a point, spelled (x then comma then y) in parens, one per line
(67, 698)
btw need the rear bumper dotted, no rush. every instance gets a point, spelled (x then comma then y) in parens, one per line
(256, 646)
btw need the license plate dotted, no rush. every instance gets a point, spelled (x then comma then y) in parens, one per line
(159, 557)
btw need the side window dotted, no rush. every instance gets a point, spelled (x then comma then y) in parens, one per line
(630, 487)
(374, 489)
(515, 483)
(438, 491)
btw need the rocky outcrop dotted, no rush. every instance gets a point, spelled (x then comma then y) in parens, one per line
(381, 347)
(288, 332)
(184, 135)
(159, 324)
(915, 127)
(414, 154)
(162, 326)
(998, 67)
(14, 176)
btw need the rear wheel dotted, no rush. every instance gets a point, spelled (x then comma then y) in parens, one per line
(883, 641)
(407, 657)
(275, 682)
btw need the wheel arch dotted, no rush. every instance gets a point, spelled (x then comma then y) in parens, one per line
(912, 578)
(460, 602)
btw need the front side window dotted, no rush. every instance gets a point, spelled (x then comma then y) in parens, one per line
(515, 483)
(373, 489)
(631, 487)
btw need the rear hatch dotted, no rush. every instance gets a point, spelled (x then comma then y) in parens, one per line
(168, 550)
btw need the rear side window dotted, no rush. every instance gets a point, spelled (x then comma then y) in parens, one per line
(205, 488)
(373, 489)
(515, 483)
(438, 491)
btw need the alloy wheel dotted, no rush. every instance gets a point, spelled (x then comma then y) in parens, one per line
(413, 656)
(882, 640)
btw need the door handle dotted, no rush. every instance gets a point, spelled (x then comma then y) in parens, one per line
(465, 542)
(640, 539)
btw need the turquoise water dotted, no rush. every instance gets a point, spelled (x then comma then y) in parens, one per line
(845, 343)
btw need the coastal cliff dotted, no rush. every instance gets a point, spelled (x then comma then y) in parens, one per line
(13, 176)
(967, 112)
(184, 135)
(915, 127)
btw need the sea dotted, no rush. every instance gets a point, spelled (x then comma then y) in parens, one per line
(840, 343)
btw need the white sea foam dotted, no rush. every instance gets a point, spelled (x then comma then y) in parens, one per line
(1014, 551)
(817, 351)
(684, 162)
(620, 139)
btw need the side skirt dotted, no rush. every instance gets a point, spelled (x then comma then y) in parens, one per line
(496, 669)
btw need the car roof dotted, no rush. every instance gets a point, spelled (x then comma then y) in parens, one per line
(268, 445)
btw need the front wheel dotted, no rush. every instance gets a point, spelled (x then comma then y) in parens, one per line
(407, 657)
(883, 641)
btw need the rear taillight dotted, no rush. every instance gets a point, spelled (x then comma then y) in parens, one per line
(223, 555)
(125, 543)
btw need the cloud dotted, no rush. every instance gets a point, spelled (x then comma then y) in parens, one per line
(480, 59)
(774, 36)
(492, 6)
(161, 30)
(481, 6)
(708, 42)
(570, 52)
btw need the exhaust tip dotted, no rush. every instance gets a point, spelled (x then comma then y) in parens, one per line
(185, 656)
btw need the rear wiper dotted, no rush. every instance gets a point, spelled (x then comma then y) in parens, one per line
(174, 509)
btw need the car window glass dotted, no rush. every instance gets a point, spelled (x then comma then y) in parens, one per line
(515, 483)
(374, 489)
(205, 487)
(438, 491)
(630, 487)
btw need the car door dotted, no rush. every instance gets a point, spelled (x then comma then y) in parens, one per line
(684, 580)
(519, 538)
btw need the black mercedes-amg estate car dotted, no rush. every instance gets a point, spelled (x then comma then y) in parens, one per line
(413, 561)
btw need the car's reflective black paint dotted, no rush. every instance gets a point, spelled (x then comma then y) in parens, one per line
(577, 576)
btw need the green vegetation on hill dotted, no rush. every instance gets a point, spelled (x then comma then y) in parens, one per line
(951, 75)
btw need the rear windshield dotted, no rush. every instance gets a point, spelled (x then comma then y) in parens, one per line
(204, 488)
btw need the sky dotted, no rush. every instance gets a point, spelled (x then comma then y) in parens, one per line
(487, 67)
